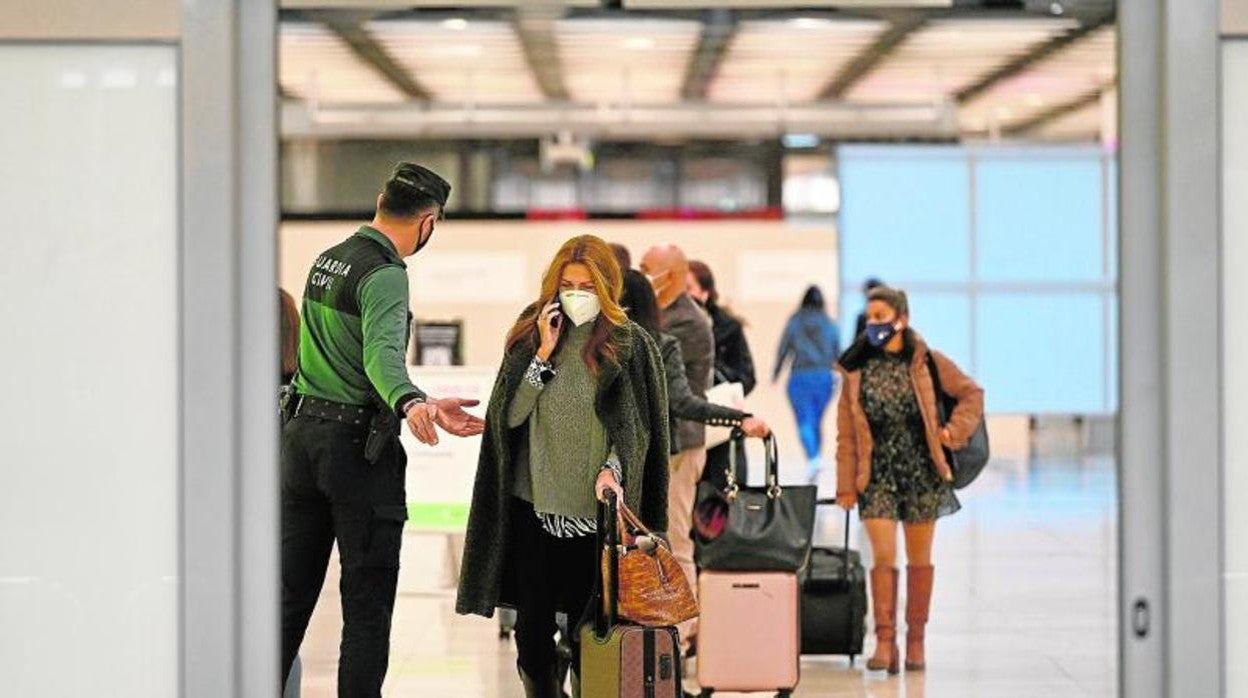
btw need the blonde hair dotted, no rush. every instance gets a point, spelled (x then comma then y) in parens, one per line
(595, 255)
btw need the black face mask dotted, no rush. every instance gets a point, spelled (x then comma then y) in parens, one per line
(421, 245)
(880, 333)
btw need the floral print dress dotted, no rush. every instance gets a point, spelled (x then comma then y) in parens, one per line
(904, 484)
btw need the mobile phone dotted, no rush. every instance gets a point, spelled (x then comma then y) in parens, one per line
(557, 318)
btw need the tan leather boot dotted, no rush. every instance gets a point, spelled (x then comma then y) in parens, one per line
(884, 597)
(918, 602)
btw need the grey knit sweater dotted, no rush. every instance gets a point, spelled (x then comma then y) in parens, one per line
(567, 441)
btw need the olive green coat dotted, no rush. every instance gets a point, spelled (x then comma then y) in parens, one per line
(631, 401)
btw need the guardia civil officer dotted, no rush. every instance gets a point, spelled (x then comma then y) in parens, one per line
(342, 463)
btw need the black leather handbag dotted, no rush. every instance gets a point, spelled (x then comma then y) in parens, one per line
(969, 461)
(754, 529)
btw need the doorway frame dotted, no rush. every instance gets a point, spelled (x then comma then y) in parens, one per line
(1170, 456)
(1171, 637)
(230, 558)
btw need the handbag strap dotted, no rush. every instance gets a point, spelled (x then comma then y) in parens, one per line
(730, 472)
(940, 391)
(627, 518)
(631, 528)
(772, 462)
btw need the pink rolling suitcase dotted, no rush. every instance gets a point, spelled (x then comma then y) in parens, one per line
(749, 635)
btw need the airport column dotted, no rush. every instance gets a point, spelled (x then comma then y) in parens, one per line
(229, 415)
(1170, 612)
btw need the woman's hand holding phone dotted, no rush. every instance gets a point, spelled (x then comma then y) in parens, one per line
(549, 325)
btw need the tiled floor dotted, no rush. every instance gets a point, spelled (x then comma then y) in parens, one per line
(1024, 604)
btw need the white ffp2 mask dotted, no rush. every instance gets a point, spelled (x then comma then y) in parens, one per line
(580, 306)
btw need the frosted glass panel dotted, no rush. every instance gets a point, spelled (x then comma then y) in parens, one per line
(944, 320)
(1039, 219)
(1044, 230)
(905, 214)
(1041, 353)
(88, 293)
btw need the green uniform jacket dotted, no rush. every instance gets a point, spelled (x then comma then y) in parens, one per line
(631, 401)
(353, 341)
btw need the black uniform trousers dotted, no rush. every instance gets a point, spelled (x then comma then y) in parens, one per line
(330, 492)
(553, 575)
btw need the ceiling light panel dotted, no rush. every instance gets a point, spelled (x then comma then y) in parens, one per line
(626, 61)
(404, 5)
(314, 64)
(789, 60)
(1075, 71)
(948, 55)
(460, 61)
(777, 4)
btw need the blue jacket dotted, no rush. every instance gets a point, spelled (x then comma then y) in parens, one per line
(812, 340)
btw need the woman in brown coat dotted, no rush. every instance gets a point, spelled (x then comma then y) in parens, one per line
(891, 461)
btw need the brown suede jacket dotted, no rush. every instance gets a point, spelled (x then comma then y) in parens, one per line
(853, 438)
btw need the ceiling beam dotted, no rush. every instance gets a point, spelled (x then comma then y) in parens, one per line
(719, 26)
(693, 120)
(536, 30)
(898, 31)
(350, 28)
(1057, 111)
(1039, 53)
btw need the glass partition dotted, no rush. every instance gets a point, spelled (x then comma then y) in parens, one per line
(1008, 256)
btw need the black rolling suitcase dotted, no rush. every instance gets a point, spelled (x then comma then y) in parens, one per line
(834, 600)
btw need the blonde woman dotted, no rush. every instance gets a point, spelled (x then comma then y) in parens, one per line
(579, 407)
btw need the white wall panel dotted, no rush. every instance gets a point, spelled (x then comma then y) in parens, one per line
(89, 376)
(1234, 317)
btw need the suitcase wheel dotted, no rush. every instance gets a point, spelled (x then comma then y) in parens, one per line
(784, 694)
(706, 693)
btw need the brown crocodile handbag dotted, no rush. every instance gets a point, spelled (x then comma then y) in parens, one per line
(653, 588)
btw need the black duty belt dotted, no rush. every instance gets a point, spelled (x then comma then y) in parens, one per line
(358, 415)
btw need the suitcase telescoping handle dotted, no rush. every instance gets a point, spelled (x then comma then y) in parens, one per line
(832, 502)
(609, 545)
(845, 552)
(772, 463)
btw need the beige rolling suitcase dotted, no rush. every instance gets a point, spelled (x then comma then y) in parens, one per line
(749, 634)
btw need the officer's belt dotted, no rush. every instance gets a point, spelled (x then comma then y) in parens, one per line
(358, 415)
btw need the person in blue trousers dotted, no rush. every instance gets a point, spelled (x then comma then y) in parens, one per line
(812, 343)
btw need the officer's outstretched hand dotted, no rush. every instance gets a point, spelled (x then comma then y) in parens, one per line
(454, 420)
(421, 419)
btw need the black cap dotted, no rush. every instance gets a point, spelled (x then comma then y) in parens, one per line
(423, 180)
